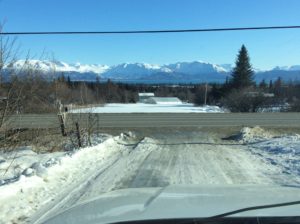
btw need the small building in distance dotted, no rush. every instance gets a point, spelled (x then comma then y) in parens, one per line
(164, 100)
(144, 96)
(255, 94)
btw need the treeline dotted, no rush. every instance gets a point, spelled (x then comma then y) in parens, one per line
(34, 94)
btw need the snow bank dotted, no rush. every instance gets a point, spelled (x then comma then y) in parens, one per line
(253, 134)
(127, 138)
(281, 151)
(39, 179)
(24, 161)
(149, 108)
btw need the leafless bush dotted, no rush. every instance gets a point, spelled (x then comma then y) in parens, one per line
(81, 127)
(295, 106)
(243, 100)
(9, 92)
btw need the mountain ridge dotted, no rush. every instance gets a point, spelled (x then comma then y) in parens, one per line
(195, 71)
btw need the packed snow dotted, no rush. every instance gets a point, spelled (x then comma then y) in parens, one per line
(37, 185)
(149, 108)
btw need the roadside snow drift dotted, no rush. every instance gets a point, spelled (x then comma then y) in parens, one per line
(282, 151)
(21, 199)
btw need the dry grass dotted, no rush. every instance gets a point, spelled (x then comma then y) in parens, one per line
(51, 140)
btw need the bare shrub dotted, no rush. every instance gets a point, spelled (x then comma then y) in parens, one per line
(244, 100)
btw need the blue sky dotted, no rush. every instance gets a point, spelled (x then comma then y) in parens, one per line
(266, 48)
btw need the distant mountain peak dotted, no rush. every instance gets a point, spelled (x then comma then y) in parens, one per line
(288, 68)
(59, 66)
(196, 67)
(184, 71)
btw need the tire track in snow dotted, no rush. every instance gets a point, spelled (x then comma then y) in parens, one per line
(120, 174)
(160, 164)
(157, 163)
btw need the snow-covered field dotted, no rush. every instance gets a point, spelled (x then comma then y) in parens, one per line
(37, 185)
(149, 108)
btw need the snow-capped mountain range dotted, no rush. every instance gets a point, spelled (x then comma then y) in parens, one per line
(58, 66)
(124, 68)
(196, 71)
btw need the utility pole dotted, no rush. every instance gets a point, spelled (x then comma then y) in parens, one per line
(205, 95)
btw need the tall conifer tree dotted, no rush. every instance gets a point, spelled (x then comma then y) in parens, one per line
(242, 75)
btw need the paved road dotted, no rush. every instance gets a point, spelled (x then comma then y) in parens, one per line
(189, 120)
(33, 121)
(159, 120)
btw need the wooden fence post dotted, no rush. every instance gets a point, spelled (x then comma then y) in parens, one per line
(78, 135)
(61, 119)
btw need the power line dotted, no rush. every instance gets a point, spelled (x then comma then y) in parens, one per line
(149, 31)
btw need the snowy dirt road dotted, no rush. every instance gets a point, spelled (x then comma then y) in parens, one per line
(161, 162)
(194, 158)
(157, 161)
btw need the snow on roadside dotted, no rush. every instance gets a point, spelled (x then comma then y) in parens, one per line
(44, 178)
(26, 161)
(42, 184)
(282, 151)
(253, 134)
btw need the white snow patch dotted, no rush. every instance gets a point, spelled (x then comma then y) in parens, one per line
(149, 108)
(281, 151)
(127, 138)
(24, 161)
(251, 134)
(38, 182)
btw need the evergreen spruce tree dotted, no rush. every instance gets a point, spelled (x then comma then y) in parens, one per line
(271, 85)
(278, 87)
(263, 85)
(69, 81)
(242, 75)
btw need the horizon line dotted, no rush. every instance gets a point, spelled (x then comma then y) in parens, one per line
(156, 64)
